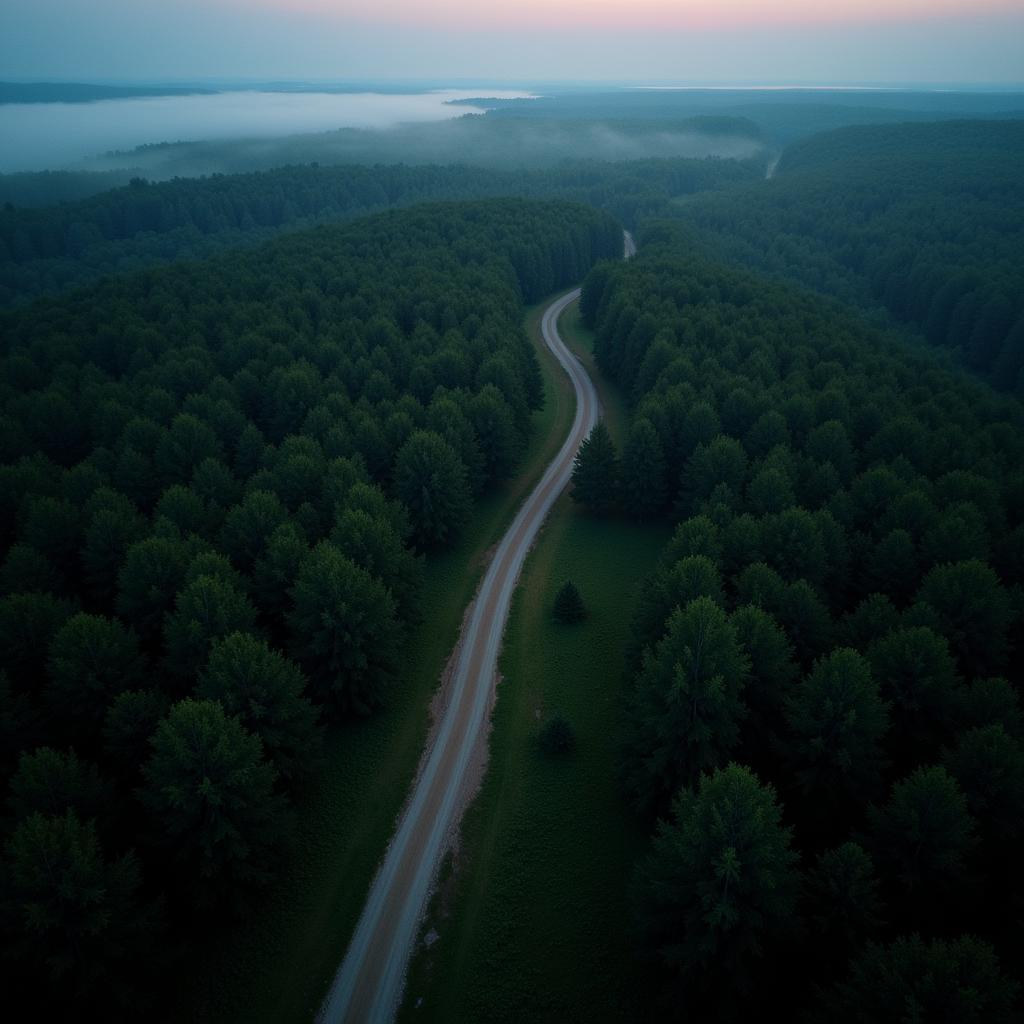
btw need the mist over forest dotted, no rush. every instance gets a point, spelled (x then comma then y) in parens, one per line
(564, 539)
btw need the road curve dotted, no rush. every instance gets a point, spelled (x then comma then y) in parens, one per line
(368, 985)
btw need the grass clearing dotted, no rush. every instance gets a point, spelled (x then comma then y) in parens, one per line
(534, 924)
(275, 967)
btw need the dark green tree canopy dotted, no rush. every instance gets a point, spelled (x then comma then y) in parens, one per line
(922, 835)
(841, 893)
(210, 794)
(644, 480)
(207, 609)
(837, 720)
(855, 500)
(266, 693)
(568, 606)
(595, 475)
(720, 884)
(344, 630)
(988, 765)
(432, 483)
(81, 928)
(938, 980)
(52, 782)
(685, 707)
(967, 604)
(91, 659)
(236, 457)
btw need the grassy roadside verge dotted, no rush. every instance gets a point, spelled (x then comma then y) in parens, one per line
(277, 964)
(534, 924)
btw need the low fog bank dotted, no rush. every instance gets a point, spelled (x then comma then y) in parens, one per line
(473, 139)
(50, 136)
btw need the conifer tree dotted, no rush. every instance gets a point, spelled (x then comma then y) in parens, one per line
(595, 475)
(569, 605)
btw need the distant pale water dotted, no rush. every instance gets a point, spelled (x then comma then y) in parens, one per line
(38, 136)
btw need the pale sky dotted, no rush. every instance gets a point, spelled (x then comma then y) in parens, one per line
(684, 41)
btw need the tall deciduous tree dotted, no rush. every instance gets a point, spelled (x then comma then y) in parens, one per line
(91, 660)
(966, 603)
(130, 722)
(27, 624)
(207, 609)
(80, 933)
(151, 574)
(373, 543)
(249, 526)
(431, 482)
(685, 707)
(673, 586)
(266, 693)
(720, 884)
(988, 765)
(52, 781)
(837, 719)
(923, 833)
(770, 682)
(210, 795)
(842, 899)
(916, 674)
(344, 631)
(909, 979)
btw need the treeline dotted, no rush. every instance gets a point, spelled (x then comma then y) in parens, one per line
(78, 92)
(778, 116)
(218, 484)
(823, 711)
(45, 188)
(926, 221)
(46, 250)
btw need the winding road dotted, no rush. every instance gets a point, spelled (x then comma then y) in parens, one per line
(368, 985)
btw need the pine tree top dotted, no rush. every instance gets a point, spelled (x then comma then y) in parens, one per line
(569, 605)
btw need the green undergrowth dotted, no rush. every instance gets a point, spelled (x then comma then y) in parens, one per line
(275, 967)
(533, 925)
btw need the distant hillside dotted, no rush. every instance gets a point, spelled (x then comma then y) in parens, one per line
(79, 92)
(925, 220)
(784, 115)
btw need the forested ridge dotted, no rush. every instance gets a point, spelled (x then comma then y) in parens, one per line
(822, 722)
(926, 221)
(143, 223)
(219, 482)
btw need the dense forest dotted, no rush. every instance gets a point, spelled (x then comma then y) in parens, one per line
(142, 224)
(926, 221)
(219, 482)
(46, 188)
(783, 114)
(236, 422)
(822, 721)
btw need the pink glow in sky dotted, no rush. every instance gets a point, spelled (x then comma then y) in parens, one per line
(634, 14)
(671, 41)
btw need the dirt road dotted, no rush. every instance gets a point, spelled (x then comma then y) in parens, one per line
(368, 986)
